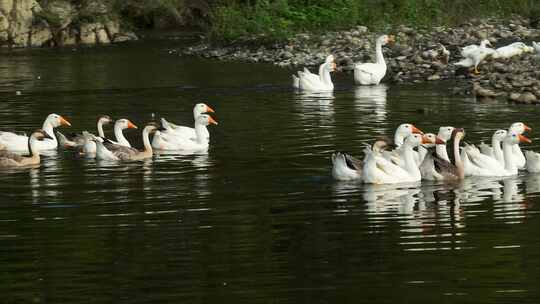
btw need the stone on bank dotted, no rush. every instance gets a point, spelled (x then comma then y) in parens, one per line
(27, 23)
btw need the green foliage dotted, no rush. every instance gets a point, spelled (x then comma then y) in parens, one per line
(278, 19)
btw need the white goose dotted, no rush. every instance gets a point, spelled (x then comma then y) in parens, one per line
(19, 143)
(313, 82)
(378, 170)
(183, 131)
(9, 159)
(163, 141)
(402, 131)
(495, 150)
(107, 150)
(372, 73)
(439, 141)
(469, 49)
(473, 55)
(445, 133)
(536, 46)
(347, 168)
(488, 166)
(119, 126)
(519, 158)
(511, 50)
(533, 161)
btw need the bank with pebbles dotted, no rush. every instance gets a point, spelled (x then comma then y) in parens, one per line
(412, 59)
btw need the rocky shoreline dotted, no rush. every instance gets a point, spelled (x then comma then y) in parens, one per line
(31, 23)
(413, 58)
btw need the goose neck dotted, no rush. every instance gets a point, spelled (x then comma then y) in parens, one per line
(410, 163)
(33, 149)
(100, 128)
(146, 140)
(378, 53)
(441, 152)
(325, 77)
(457, 159)
(508, 157)
(200, 131)
(120, 136)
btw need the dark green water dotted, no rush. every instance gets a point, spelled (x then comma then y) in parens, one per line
(258, 219)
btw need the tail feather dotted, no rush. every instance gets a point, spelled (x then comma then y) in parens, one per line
(64, 141)
(165, 124)
(296, 82)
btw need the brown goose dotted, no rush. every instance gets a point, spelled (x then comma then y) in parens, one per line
(9, 159)
(77, 141)
(107, 150)
(443, 169)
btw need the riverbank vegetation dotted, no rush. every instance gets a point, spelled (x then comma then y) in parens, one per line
(278, 19)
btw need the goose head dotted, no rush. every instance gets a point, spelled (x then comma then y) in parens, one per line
(105, 119)
(415, 139)
(56, 120)
(330, 63)
(519, 128)
(499, 135)
(484, 43)
(124, 124)
(205, 120)
(381, 144)
(201, 108)
(514, 138)
(458, 134)
(386, 39)
(523, 47)
(445, 133)
(153, 127)
(433, 140)
(407, 129)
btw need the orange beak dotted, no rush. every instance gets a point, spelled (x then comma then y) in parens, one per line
(391, 38)
(334, 67)
(439, 141)
(64, 122)
(210, 110)
(426, 140)
(131, 125)
(211, 120)
(527, 128)
(416, 130)
(524, 139)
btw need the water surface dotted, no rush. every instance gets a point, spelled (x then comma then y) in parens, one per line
(258, 219)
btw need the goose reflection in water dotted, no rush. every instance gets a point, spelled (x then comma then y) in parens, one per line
(508, 196)
(320, 103)
(372, 99)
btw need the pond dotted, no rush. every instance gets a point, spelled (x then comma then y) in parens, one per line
(258, 219)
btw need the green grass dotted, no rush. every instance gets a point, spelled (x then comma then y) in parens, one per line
(278, 19)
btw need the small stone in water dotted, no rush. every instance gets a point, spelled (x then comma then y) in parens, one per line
(18, 93)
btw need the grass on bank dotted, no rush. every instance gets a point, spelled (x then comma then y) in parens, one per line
(273, 20)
